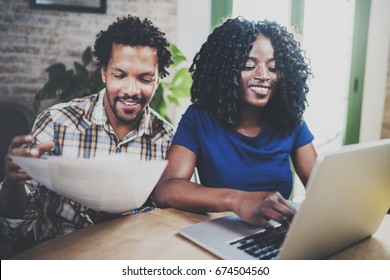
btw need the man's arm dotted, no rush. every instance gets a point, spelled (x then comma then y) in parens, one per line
(13, 196)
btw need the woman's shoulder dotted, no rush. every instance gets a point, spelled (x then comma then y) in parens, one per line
(302, 126)
(195, 109)
(303, 134)
(198, 118)
(195, 112)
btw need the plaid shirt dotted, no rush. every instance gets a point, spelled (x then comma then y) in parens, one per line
(80, 129)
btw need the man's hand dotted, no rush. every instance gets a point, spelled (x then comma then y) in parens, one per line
(22, 146)
(13, 197)
(101, 216)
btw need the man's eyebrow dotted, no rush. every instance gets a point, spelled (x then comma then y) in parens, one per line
(117, 69)
(151, 72)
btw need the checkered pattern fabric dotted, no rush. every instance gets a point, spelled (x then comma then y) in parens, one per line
(80, 129)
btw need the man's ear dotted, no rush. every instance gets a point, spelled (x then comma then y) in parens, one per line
(103, 71)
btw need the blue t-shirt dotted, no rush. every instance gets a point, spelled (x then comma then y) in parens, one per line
(228, 159)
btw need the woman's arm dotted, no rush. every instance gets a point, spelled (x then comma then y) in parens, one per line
(176, 190)
(303, 159)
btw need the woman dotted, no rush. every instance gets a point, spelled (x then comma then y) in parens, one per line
(249, 95)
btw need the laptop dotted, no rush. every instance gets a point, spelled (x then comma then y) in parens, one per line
(348, 195)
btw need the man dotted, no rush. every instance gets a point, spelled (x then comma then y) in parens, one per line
(133, 55)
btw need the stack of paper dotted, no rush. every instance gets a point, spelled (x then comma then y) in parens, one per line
(114, 184)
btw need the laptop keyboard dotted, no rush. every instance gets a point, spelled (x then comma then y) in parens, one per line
(263, 245)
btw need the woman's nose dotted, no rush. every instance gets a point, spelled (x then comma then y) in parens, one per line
(261, 73)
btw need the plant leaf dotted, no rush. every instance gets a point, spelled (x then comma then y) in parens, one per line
(182, 77)
(177, 55)
(95, 81)
(173, 99)
(81, 70)
(86, 57)
(56, 70)
(159, 103)
(181, 83)
(74, 87)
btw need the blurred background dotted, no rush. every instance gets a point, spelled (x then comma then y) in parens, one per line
(347, 42)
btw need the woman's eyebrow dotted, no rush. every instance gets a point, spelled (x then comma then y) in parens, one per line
(271, 59)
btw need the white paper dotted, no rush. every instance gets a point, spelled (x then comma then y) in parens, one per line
(37, 169)
(114, 184)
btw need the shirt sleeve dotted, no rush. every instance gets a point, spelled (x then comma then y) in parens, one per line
(43, 128)
(303, 135)
(187, 132)
(17, 228)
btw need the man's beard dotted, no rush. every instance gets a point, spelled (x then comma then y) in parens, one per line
(140, 100)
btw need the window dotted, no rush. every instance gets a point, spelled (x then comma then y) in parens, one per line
(329, 47)
(263, 9)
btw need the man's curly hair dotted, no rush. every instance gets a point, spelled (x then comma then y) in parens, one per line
(131, 31)
(216, 71)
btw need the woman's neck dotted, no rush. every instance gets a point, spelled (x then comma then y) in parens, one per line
(250, 122)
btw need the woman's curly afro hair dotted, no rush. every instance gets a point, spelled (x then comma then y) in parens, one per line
(131, 31)
(216, 71)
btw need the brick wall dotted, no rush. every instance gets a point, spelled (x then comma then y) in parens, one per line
(33, 39)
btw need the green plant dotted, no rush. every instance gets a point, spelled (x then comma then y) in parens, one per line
(170, 92)
(65, 84)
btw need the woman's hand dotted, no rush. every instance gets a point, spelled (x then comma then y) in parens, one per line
(257, 208)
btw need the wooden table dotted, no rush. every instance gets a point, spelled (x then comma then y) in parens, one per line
(155, 235)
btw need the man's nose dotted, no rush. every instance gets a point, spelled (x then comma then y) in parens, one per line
(132, 87)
